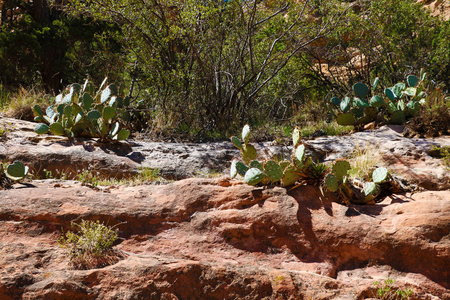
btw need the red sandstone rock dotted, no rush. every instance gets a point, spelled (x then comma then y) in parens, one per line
(214, 239)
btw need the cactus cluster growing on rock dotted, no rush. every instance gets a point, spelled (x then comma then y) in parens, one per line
(80, 111)
(394, 106)
(284, 172)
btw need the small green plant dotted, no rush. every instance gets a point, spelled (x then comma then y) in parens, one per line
(13, 172)
(387, 290)
(91, 246)
(443, 152)
(80, 111)
(87, 177)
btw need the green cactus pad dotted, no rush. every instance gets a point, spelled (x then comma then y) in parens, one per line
(38, 119)
(58, 98)
(107, 93)
(340, 169)
(256, 164)
(392, 107)
(93, 115)
(68, 98)
(246, 133)
(398, 88)
(375, 84)
(37, 110)
(87, 101)
(361, 89)
(412, 80)
(397, 117)
(376, 101)
(345, 104)
(336, 101)
(290, 176)
(390, 94)
(248, 153)
(331, 182)
(68, 111)
(401, 105)
(273, 170)
(122, 135)
(358, 112)
(108, 113)
(241, 168)
(411, 91)
(300, 153)
(284, 164)
(380, 174)
(41, 128)
(17, 170)
(296, 135)
(57, 128)
(371, 112)
(360, 103)
(254, 176)
(233, 169)
(346, 119)
(371, 188)
(50, 112)
(236, 141)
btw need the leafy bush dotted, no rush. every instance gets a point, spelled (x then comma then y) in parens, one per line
(79, 111)
(388, 291)
(91, 246)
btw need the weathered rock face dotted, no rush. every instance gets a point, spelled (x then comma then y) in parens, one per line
(217, 239)
(406, 157)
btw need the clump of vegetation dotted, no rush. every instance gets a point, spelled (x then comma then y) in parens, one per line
(388, 291)
(19, 104)
(91, 246)
(82, 111)
(434, 117)
(363, 162)
(444, 153)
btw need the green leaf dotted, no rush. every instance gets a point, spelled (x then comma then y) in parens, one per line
(236, 141)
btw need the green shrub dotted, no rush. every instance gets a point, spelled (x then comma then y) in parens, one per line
(91, 246)
(388, 291)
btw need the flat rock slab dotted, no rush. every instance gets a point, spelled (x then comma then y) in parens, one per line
(221, 239)
(407, 157)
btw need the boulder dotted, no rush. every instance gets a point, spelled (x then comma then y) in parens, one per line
(221, 239)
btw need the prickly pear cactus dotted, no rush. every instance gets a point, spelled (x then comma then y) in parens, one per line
(273, 170)
(79, 111)
(340, 169)
(331, 183)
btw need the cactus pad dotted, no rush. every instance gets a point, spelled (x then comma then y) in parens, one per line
(380, 175)
(256, 164)
(290, 176)
(236, 141)
(16, 170)
(376, 101)
(273, 170)
(108, 113)
(345, 104)
(340, 169)
(336, 101)
(248, 153)
(346, 119)
(246, 133)
(241, 168)
(398, 88)
(254, 176)
(233, 169)
(361, 89)
(57, 128)
(390, 94)
(331, 183)
(360, 103)
(375, 84)
(412, 80)
(122, 135)
(41, 128)
(411, 91)
(371, 188)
